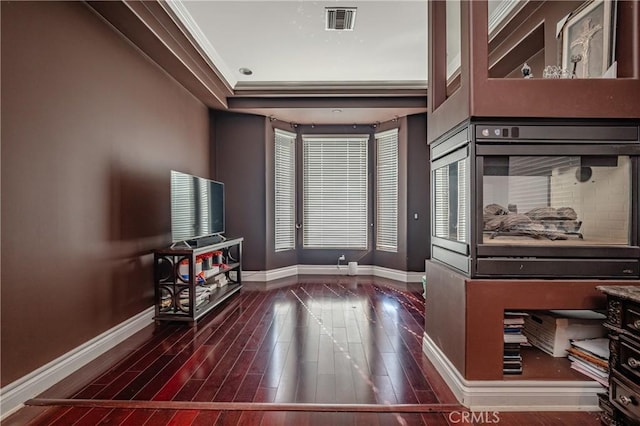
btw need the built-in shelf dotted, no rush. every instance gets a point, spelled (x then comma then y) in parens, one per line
(538, 365)
(530, 47)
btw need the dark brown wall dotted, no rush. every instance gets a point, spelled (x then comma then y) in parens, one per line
(240, 163)
(244, 149)
(90, 131)
(418, 188)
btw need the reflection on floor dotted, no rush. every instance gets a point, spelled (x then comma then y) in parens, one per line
(319, 341)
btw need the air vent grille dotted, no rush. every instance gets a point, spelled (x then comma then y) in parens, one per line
(340, 18)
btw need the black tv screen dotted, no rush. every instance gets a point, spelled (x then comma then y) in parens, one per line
(197, 207)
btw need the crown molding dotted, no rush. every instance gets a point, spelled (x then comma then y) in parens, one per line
(184, 17)
(152, 29)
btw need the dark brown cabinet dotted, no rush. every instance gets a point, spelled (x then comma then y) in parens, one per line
(622, 406)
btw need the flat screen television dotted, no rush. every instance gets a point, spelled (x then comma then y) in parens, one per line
(197, 207)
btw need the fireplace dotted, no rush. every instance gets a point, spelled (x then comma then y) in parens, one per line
(537, 199)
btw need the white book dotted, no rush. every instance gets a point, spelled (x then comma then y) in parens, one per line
(515, 338)
(580, 368)
(553, 333)
(579, 314)
(588, 366)
(598, 347)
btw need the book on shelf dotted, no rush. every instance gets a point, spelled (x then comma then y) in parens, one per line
(552, 331)
(581, 368)
(513, 328)
(513, 340)
(513, 321)
(202, 294)
(588, 357)
(591, 358)
(593, 369)
(515, 314)
(512, 357)
(597, 347)
(512, 370)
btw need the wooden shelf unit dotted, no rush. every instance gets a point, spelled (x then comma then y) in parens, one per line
(478, 93)
(465, 316)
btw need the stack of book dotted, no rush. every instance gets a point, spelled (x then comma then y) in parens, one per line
(591, 358)
(513, 340)
(552, 331)
(202, 296)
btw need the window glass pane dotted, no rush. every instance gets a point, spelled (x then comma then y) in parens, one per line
(569, 200)
(335, 192)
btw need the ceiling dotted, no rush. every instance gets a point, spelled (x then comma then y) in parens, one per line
(292, 55)
(286, 46)
(285, 43)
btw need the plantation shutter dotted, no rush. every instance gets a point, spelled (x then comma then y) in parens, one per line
(335, 194)
(387, 190)
(285, 190)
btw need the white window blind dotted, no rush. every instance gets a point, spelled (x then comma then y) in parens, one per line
(451, 201)
(285, 190)
(387, 190)
(441, 186)
(463, 201)
(335, 179)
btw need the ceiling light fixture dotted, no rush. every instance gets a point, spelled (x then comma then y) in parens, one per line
(336, 110)
(245, 71)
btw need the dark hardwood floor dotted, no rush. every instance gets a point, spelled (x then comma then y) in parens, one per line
(316, 351)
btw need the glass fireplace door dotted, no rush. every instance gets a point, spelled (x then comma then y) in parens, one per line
(566, 215)
(537, 199)
(451, 209)
(556, 200)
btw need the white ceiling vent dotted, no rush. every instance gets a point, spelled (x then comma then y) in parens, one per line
(340, 18)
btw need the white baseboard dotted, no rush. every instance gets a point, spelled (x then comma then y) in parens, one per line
(13, 395)
(273, 274)
(378, 271)
(394, 274)
(514, 395)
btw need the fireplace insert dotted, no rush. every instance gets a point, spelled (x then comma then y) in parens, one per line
(537, 199)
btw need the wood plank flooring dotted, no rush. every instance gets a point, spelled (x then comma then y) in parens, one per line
(323, 350)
